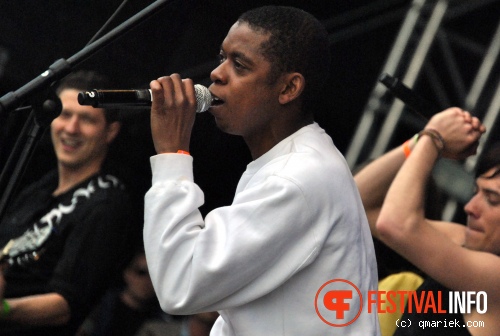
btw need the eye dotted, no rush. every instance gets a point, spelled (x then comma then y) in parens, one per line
(221, 57)
(493, 199)
(238, 65)
(65, 114)
(88, 119)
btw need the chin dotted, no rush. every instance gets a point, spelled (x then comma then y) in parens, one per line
(71, 165)
(223, 127)
(475, 245)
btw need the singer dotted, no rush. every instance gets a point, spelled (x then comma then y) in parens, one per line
(296, 220)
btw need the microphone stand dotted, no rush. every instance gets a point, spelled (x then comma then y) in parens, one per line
(44, 110)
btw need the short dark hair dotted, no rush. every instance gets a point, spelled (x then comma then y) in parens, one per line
(298, 42)
(84, 80)
(490, 159)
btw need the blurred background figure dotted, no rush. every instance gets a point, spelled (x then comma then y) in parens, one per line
(78, 218)
(131, 309)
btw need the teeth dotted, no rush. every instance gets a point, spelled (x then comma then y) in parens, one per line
(69, 142)
(217, 101)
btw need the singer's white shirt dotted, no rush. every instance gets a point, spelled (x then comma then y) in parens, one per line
(296, 222)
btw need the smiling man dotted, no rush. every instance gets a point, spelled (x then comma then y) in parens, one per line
(77, 220)
(80, 136)
(296, 221)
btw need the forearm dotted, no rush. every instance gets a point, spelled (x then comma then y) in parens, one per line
(374, 180)
(403, 209)
(171, 227)
(456, 128)
(43, 309)
(452, 133)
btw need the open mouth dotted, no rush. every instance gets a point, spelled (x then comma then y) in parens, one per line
(70, 143)
(216, 101)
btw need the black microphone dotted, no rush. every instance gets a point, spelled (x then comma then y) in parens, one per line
(136, 98)
(416, 103)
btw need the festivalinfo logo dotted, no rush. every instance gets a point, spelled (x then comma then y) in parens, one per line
(339, 302)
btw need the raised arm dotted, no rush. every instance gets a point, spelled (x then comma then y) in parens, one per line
(374, 180)
(402, 223)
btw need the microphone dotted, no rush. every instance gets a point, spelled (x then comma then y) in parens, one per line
(136, 98)
(416, 103)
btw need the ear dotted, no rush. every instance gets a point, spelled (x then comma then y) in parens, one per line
(293, 86)
(113, 130)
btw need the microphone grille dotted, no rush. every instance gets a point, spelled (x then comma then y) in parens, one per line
(203, 98)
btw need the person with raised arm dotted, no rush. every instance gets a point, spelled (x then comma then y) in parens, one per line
(455, 257)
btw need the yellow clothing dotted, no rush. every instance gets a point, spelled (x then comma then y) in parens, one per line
(394, 282)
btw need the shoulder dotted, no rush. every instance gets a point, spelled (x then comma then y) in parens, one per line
(312, 156)
(311, 164)
(104, 187)
(44, 185)
(103, 196)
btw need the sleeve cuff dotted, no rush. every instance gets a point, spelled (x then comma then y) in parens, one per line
(171, 166)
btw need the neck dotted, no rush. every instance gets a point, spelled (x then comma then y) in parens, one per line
(68, 177)
(260, 145)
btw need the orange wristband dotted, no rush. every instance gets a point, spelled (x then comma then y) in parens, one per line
(406, 148)
(406, 145)
(180, 151)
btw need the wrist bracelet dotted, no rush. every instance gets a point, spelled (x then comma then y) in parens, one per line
(180, 151)
(5, 309)
(436, 138)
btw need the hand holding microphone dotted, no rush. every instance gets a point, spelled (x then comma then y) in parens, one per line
(172, 113)
(173, 102)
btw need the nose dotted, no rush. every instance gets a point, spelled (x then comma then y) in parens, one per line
(472, 207)
(72, 125)
(218, 75)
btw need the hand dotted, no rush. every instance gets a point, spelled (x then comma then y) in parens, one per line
(173, 113)
(461, 132)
